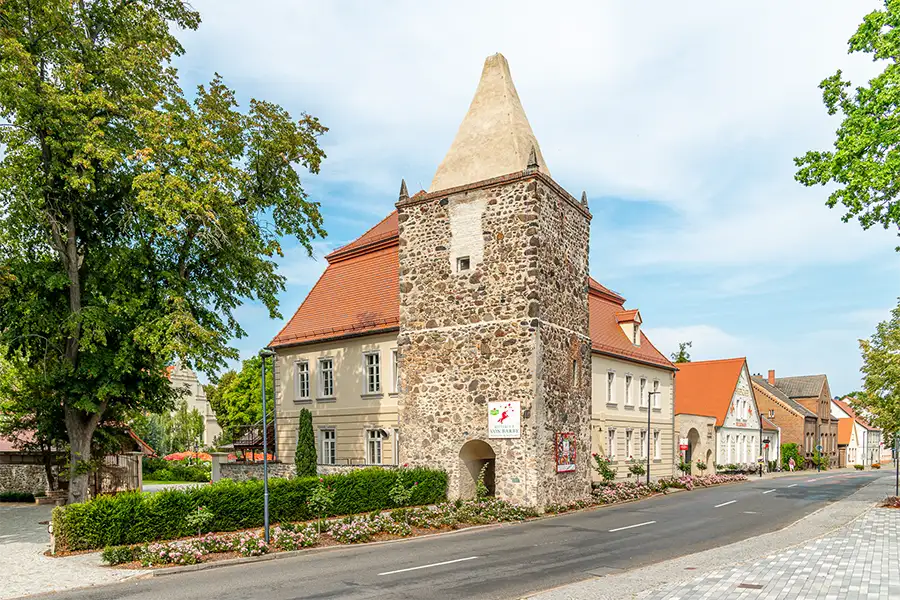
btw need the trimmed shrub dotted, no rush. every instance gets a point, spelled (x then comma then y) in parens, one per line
(134, 518)
(789, 451)
(16, 497)
(305, 455)
(116, 555)
(858, 467)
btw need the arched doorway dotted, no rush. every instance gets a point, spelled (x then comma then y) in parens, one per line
(709, 461)
(473, 456)
(693, 447)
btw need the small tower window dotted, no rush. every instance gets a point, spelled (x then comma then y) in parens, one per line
(462, 264)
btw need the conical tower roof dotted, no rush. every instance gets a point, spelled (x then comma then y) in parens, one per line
(494, 138)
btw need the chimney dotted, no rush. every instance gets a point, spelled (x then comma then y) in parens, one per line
(771, 376)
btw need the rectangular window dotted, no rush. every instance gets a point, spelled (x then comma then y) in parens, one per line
(611, 443)
(329, 447)
(643, 392)
(395, 370)
(643, 443)
(629, 451)
(656, 393)
(373, 447)
(302, 386)
(657, 450)
(373, 372)
(326, 378)
(463, 263)
(628, 399)
(611, 387)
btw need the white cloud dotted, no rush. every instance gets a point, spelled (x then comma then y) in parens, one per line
(707, 341)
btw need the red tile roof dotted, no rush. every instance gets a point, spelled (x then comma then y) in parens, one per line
(358, 294)
(707, 387)
(845, 430)
(847, 408)
(627, 316)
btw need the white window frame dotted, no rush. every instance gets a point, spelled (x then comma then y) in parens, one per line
(657, 394)
(611, 443)
(395, 370)
(657, 444)
(322, 378)
(373, 436)
(643, 438)
(395, 446)
(629, 379)
(372, 385)
(643, 392)
(301, 368)
(629, 443)
(610, 387)
(324, 442)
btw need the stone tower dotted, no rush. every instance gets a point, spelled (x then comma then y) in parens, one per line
(494, 309)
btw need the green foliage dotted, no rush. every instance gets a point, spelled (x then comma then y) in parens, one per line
(859, 467)
(880, 397)
(481, 490)
(865, 161)
(603, 468)
(819, 461)
(199, 519)
(16, 497)
(401, 492)
(134, 222)
(321, 500)
(180, 471)
(237, 398)
(133, 518)
(305, 455)
(684, 466)
(701, 466)
(789, 451)
(636, 467)
(682, 356)
(117, 555)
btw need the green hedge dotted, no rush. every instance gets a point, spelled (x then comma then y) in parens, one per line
(16, 497)
(789, 451)
(134, 518)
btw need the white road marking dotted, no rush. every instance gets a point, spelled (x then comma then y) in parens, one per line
(631, 526)
(750, 512)
(794, 485)
(810, 480)
(446, 562)
(768, 491)
(725, 504)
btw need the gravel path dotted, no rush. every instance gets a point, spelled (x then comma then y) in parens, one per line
(24, 570)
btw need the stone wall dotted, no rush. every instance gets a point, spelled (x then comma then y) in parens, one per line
(507, 329)
(22, 478)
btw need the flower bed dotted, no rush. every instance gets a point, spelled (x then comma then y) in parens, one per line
(288, 536)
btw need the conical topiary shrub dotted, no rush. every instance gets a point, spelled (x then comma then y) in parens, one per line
(305, 456)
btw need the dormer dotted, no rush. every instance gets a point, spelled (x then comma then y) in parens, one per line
(630, 322)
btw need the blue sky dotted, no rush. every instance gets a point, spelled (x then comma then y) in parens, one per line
(681, 125)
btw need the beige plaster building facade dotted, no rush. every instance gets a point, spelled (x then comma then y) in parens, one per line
(181, 377)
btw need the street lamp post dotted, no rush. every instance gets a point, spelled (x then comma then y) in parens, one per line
(263, 355)
(649, 408)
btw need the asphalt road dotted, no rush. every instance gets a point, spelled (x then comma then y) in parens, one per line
(517, 559)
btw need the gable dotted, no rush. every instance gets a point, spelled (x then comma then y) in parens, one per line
(742, 410)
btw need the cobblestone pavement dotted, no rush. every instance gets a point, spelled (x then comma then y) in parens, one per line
(24, 570)
(858, 562)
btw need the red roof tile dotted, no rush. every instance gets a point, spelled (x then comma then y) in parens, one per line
(627, 316)
(707, 387)
(359, 294)
(845, 430)
(847, 408)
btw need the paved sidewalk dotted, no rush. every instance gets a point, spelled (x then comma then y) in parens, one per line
(24, 570)
(846, 550)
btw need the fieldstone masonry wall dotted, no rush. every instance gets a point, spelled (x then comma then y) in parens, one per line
(508, 329)
(23, 478)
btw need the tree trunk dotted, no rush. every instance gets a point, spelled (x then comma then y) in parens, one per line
(81, 428)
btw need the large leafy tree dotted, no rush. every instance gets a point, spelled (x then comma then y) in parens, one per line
(237, 397)
(880, 396)
(682, 356)
(865, 161)
(133, 221)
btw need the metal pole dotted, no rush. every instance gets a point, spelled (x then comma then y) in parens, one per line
(265, 453)
(649, 399)
(896, 463)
